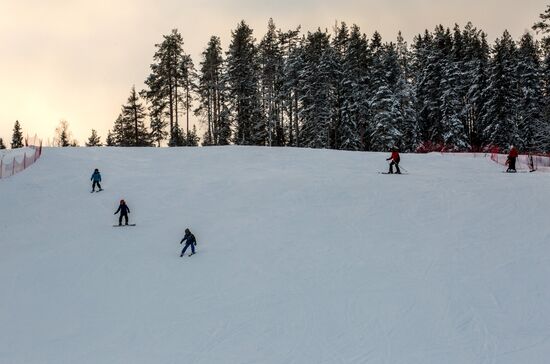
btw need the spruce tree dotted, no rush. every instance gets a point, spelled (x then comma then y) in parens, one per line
(17, 137)
(317, 91)
(187, 83)
(133, 114)
(499, 115)
(192, 138)
(2, 146)
(122, 131)
(533, 133)
(162, 84)
(110, 140)
(94, 140)
(454, 135)
(210, 89)
(158, 128)
(386, 118)
(243, 87)
(293, 53)
(354, 92)
(405, 96)
(271, 68)
(543, 27)
(477, 68)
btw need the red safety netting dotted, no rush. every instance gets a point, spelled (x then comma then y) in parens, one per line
(18, 160)
(528, 162)
(524, 162)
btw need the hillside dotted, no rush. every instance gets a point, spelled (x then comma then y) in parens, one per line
(304, 256)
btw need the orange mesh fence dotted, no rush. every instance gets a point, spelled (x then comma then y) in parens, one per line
(17, 161)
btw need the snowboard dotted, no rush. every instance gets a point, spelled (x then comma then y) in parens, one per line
(192, 254)
(97, 191)
(403, 173)
(124, 225)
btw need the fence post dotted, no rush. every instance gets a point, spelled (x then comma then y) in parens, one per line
(25, 161)
(13, 167)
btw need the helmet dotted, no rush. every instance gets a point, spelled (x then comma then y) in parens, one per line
(187, 231)
(122, 201)
(96, 170)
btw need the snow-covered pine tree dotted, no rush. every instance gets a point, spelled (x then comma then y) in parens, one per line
(110, 140)
(543, 26)
(339, 46)
(94, 140)
(386, 118)
(2, 146)
(17, 136)
(316, 91)
(162, 83)
(271, 67)
(545, 80)
(243, 87)
(291, 86)
(192, 139)
(476, 64)
(133, 112)
(187, 82)
(122, 131)
(454, 135)
(404, 93)
(500, 112)
(533, 132)
(354, 92)
(210, 91)
(431, 55)
(158, 126)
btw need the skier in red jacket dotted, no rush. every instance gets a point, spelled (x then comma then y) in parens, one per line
(511, 161)
(394, 161)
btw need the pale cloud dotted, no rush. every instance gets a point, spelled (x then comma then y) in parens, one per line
(78, 59)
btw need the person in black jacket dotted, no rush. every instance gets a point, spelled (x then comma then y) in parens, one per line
(124, 211)
(190, 240)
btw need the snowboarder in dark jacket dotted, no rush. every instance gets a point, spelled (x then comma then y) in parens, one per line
(190, 241)
(124, 211)
(394, 161)
(96, 178)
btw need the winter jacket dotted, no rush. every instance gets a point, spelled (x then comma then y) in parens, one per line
(394, 157)
(96, 177)
(513, 153)
(123, 208)
(190, 239)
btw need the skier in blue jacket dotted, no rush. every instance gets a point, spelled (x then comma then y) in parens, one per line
(124, 211)
(96, 178)
(190, 240)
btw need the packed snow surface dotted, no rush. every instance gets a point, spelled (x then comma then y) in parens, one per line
(304, 256)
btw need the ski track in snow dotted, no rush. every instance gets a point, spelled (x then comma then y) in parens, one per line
(304, 256)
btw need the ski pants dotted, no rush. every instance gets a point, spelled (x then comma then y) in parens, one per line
(125, 218)
(96, 183)
(186, 246)
(396, 167)
(511, 164)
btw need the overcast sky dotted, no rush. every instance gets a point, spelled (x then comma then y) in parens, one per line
(77, 60)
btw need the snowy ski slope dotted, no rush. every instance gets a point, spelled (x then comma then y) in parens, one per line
(304, 256)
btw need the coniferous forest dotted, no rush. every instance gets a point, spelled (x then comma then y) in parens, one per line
(342, 89)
